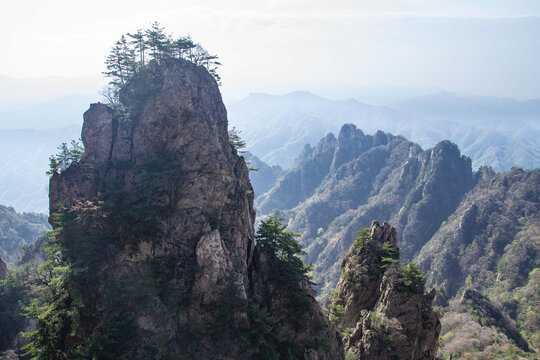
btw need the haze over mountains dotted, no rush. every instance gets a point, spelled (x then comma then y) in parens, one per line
(492, 131)
(160, 166)
(286, 123)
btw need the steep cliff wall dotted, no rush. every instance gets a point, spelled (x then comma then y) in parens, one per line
(156, 224)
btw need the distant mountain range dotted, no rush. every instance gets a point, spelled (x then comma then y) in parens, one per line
(17, 230)
(24, 161)
(501, 133)
(498, 132)
(57, 113)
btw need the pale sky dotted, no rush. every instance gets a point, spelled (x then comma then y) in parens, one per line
(332, 48)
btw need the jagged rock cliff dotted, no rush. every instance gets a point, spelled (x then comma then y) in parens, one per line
(380, 308)
(342, 184)
(157, 218)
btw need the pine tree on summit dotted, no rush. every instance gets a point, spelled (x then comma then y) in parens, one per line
(157, 41)
(120, 63)
(126, 58)
(183, 47)
(139, 42)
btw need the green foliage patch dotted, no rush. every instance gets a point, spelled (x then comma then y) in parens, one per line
(66, 156)
(363, 237)
(273, 239)
(412, 279)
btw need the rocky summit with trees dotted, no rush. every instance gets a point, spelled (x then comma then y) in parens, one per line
(133, 51)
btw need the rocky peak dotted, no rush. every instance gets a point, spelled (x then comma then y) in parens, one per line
(159, 213)
(380, 307)
(351, 142)
(328, 143)
(304, 154)
(301, 181)
(438, 178)
(330, 158)
(384, 233)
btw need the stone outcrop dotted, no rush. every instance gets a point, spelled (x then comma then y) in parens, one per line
(380, 308)
(9, 355)
(159, 211)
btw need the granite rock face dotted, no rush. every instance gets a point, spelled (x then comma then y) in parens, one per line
(380, 311)
(169, 202)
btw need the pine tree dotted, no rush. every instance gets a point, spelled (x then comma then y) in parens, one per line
(236, 140)
(155, 40)
(201, 57)
(273, 238)
(182, 47)
(120, 63)
(140, 44)
(127, 57)
(67, 155)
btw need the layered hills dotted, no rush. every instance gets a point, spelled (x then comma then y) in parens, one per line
(468, 230)
(494, 132)
(343, 183)
(24, 184)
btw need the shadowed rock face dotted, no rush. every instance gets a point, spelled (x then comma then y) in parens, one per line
(382, 315)
(159, 185)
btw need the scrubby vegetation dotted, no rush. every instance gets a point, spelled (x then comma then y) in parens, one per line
(292, 272)
(464, 338)
(412, 279)
(66, 156)
(273, 238)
